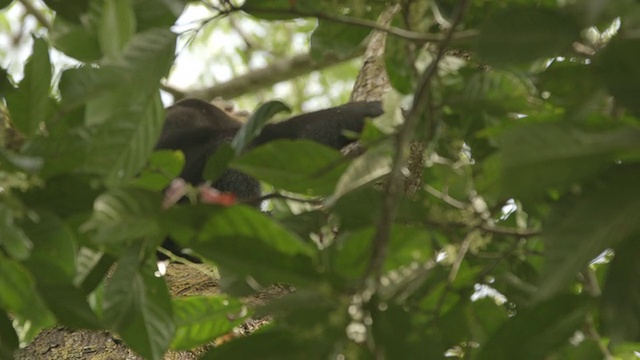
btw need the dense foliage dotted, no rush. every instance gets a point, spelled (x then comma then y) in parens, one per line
(520, 240)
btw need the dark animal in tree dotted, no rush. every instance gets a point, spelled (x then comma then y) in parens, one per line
(198, 128)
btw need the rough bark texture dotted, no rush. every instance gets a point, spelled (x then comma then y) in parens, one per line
(372, 81)
(372, 84)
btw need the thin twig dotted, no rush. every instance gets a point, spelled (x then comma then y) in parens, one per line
(42, 19)
(399, 32)
(492, 229)
(590, 331)
(445, 197)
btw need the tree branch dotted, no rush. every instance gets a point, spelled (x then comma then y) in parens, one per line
(31, 9)
(262, 78)
(399, 32)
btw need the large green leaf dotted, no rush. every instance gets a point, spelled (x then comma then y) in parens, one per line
(300, 166)
(78, 41)
(9, 341)
(243, 240)
(582, 226)
(397, 64)
(70, 10)
(534, 333)
(372, 166)
(71, 194)
(54, 250)
(352, 253)
(522, 34)
(154, 13)
(122, 145)
(21, 299)
(201, 319)
(13, 240)
(127, 120)
(542, 156)
(163, 166)
(117, 25)
(138, 307)
(616, 68)
(621, 294)
(78, 85)
(61, 153)
(30, 104)
(123, 215)
(333, 38)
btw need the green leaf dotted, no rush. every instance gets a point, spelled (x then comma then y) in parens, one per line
(91, 271)
(406, 244)
(244, 241)
(359, 208)
(117, 25)
(162, 168)
(122, 145)
(127, 121)
(30, 104)
(401, 73)
(156, 14)
(391, 330)
(523, 34)
(137, 305)
(71, 194)
(201, 319)
(13, 239)
(78, 85)
(8, 338)
(621, 295)
(581, 227)
(22, 301)
(218, 162)
(256, 122)
(372, 166)
(495, 92)
(336, 39)
(301, 166)
(70, 10)
(54, 250)
(61, 153)
(69, 305)
(534, 333)
(543, 156)
(588, 349)
(571, 84)
(123, 215)
(616, 68)
(77, 41)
